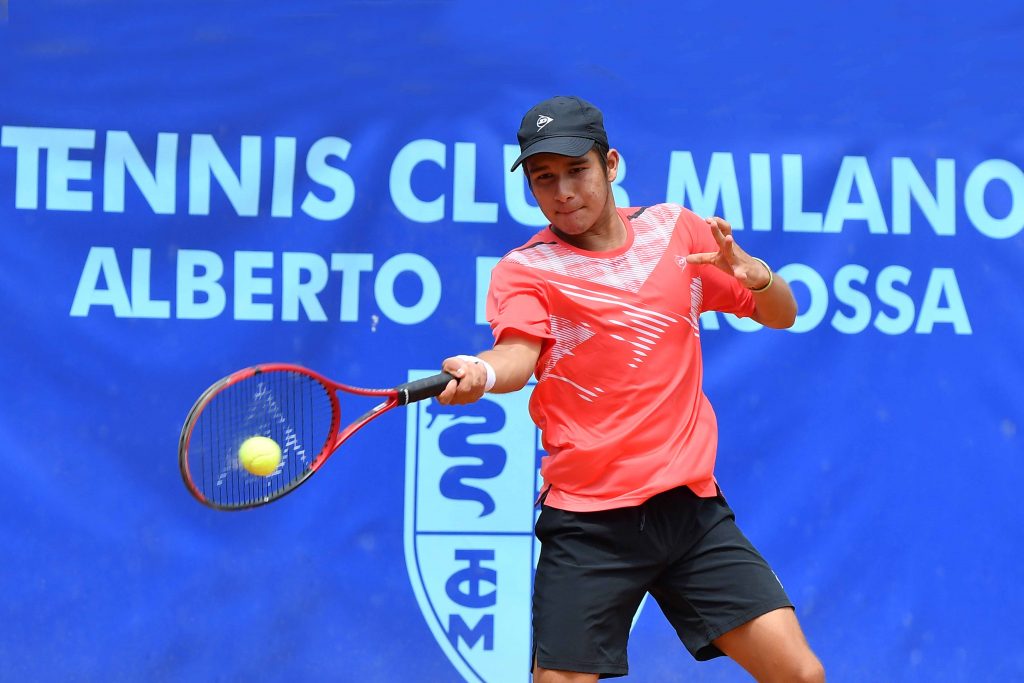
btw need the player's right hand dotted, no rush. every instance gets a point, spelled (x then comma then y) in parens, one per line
(468, 385)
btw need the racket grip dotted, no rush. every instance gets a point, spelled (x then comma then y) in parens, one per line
(428, 387)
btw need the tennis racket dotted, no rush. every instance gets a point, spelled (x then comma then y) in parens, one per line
(296, 407)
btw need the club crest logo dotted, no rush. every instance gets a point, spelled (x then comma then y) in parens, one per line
(472, 474)
(471, 478)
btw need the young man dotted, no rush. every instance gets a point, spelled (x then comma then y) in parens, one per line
(602, 306)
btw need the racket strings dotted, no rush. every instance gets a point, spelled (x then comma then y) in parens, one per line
(292, 409)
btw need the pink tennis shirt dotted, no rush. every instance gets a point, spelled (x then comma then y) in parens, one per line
(618, 397)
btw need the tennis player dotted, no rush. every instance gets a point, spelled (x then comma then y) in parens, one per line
(602, 306)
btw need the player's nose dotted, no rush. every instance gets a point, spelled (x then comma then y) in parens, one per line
(564, 190)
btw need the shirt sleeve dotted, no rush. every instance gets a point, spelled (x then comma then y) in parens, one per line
(516, 301)
(722, 292)
(725, 294)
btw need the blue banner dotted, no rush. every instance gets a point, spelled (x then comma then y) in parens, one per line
(189, 188)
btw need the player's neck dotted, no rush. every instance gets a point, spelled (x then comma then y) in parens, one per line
(607, 234)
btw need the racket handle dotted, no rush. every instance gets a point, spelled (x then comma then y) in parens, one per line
(428, 387)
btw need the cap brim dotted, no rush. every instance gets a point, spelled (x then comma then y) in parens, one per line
(566, 146)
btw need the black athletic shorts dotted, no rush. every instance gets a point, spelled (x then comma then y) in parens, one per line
(595, 568)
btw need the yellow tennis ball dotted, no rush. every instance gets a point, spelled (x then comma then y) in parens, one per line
(260, 455)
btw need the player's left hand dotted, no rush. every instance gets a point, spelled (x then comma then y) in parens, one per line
(730, 258)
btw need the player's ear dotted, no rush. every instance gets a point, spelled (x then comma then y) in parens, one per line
(612, 164)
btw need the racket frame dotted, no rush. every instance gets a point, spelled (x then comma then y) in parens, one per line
(402, 394)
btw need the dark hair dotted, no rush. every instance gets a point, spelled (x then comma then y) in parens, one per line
(602, 154)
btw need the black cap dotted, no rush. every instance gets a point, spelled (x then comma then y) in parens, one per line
(561, 125)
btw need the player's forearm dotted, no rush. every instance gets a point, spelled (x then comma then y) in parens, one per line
(511, 361)
(775, 306)
(514, 362)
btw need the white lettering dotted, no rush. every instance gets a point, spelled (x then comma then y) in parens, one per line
(516, 192)
(61, 169)
(854, 298)
(854, 173)
(938, 208)
(760, 192)
(384, 288)
(330, 177)
(190, 282)
(247, 285)
(720, 184)
(887, 293)
(28, 142)
(943, 282)
(242, 190)
(794, 218)
(400, 181)
(142, 305)
(283, 191)
(974, 198)
(811, 317)
(709, 321)
(101, 261)
(350, 265)
(157, 186)
(295, 292)
(465, 208)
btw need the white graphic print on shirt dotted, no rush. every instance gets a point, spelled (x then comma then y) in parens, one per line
(625, 318)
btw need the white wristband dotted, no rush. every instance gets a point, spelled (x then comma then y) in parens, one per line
(491, 378)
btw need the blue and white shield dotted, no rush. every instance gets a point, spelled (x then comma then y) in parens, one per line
(471, 477)
(472, 474)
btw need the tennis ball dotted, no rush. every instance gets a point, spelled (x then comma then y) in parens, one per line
(260, 455)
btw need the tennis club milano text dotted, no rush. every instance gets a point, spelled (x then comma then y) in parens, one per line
(85, 170)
